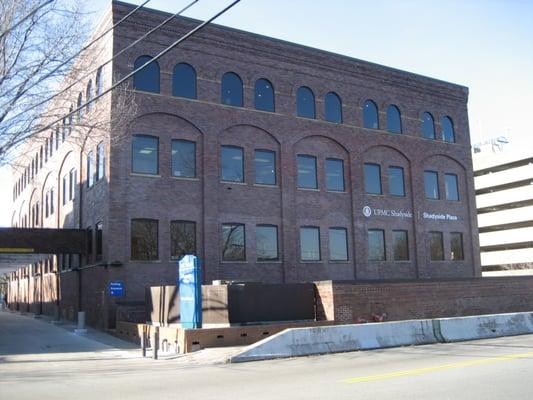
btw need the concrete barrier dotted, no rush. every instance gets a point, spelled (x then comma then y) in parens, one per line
(485, 326)
(333, 339)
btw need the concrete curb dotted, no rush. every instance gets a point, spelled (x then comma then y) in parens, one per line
(298, 342)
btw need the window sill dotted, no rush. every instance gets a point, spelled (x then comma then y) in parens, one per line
(269, 262)
(144, 261)
(233, 262)
(266, 185)
(185, 178)
(308, 189)
(336, 191)
(311, 262)
(145, 175)
(233, 183)
(339, 262)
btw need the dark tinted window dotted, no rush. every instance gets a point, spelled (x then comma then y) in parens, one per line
(338, 244)
(89, 95)
(147, 79)
(99, 242)
(99, 81)
(456, 244)
(145, 155)
(428, 126)
(90, 169)
(431, 184)
(232, 164)
(396, 181)
(309, 244)
(450, 183)
(184, 81)
(436, 246)
(334, 175)
(305, 102)
(370, 115)
(89, 244)
(231, 89)
(265, 167)
(333, 108)
(394, 120)
(183, 158)
(376, 245)
(144, 236)
(400, 245)
(307, 172)
(79, 106)
(266, 240)
(100, 158)
(233, 242)
(372, 179)
(182, 238)
(448, 134)
(264, 95)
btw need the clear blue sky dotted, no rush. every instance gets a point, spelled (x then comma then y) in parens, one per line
(486, 45)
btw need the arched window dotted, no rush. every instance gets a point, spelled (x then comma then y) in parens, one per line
(333, 108)
(305, 102)
(99, 81)
(428, 126)
(184, 81)
(264, 95)
(370, 115)
(448, 134)
(89, 95)
(231, 89)
(79, 106)
(394, 119)
(147, 79)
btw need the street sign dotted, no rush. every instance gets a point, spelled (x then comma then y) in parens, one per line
(116, 289)
(190, 292)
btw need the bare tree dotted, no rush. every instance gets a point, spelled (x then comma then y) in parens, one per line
(38, 42)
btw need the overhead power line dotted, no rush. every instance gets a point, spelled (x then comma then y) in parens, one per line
(92, 71)
(155, 58)
(72, 57)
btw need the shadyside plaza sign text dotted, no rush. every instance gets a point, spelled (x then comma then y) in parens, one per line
(383, 212)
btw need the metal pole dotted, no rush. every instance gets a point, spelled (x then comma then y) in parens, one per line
(143, 341)
(155, 345)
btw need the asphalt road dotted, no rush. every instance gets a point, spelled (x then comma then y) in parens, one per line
(38, 360)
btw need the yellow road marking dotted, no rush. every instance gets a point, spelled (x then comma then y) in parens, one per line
(420, 371)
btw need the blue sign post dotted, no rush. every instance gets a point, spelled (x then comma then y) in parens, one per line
(190, 291)
(116, 289)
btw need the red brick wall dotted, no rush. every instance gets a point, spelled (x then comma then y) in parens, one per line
(352, 301)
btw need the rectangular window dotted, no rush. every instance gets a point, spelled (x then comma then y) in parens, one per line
(310, 243)
(64, 189)
(182, 238)
(431, 185)
(99, 242)
(265, 167)
(72, 184)
(145, 155)
(376, 245)
(144, 239)
(266, 241)
(334, 175)
(100, 161)
(400, 245)
(436, 246)
(184, 158)
(52, 201)
(232, 164)
(233, 242)
(338, 244)
(373, 179)
(90, 169)
(307, 172)
(456, 245)
(396, 181)
(450, 183)
(89, 250)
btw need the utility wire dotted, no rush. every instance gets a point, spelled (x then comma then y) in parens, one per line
(110, 60)
(128, 76)
(72, 57)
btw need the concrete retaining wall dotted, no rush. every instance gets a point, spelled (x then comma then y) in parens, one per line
(341, 338)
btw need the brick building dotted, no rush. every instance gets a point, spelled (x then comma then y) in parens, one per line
(272, 161)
